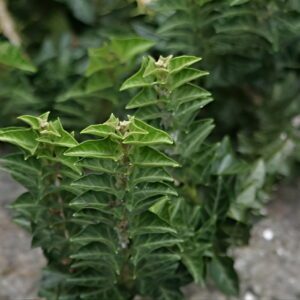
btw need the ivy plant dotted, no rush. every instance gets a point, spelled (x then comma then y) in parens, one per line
(251, 49)
(41, 167)
(130, 212)
(218, 189)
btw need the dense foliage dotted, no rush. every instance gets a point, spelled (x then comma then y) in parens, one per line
(107, 202)
(130, 212)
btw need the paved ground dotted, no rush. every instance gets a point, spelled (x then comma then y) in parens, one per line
(269, 267)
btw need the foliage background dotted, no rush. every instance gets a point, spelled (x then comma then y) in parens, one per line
(250, 48)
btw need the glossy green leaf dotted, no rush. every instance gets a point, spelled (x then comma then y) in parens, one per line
(185, 76)
(98, 164)
(96, 149)
(137, 80)
(153, 136)
(96, 183)
(149, 157)
(180, 62)
(23, 137)
(150, 175)
(224, 275)
(91, 200)
(128, 48)
(144, 98)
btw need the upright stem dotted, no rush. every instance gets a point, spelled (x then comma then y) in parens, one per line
(126, 274)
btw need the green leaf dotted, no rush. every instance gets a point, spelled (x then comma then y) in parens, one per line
(224, 275)
(185, 76)
(188, 93)
(149, 157)
(97, 149)
(59, 157)
(137, 80)
(153, 136)
(83, 10)
(186, 113)
(128, 48)
(96, 183)
(107, 129)
(145, 97)
(147, 190)
(12, 56)
(195, 265)
(97, 233)
(238, 2)
(99, 59)
(258, 174)
(161, 264)
(193, 140)
(150, 175)
(180, 62)
(99, 165)
(98, 82)
(149, 113)
(148, 243)
(97, 252)
(65, 139)
(35, 122)
(27, 205)
(170, 294)
(147, 223)
(25, 138)
(92, 200)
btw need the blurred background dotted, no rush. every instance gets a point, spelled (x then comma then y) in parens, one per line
(49, 61)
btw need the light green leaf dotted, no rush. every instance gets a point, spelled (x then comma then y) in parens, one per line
(12, 56)
(180, 62)
(188, 93)
(153, 136)
(185, 76)
(128, 48)
(25, 138)
(103, 130)
(98, 82)
(145, 97)
(99, 165)
(99, 59)
(150, 175)
(137, 80)
(35, 122)
(97, 149)
(149, 157)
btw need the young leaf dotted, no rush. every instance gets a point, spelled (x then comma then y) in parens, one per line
(149, 157)
(25, 138)
(96, 149)
(224, 275)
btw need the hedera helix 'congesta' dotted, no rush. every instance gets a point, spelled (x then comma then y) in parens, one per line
(218, 191)
(46, 173)
(99, 234)
(106, 212)
(124, 248)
